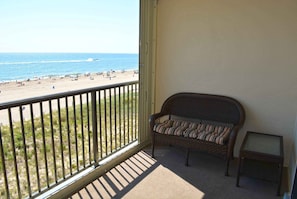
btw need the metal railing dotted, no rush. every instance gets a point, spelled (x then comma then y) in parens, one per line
(46, 140)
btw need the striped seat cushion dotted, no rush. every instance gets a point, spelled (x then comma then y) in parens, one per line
(214, 132)
(172, 127)
(202, 130)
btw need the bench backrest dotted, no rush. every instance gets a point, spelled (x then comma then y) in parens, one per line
(205, 107)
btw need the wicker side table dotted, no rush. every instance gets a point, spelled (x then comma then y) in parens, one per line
(262, 147)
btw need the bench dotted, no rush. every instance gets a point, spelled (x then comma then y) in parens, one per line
(204, 122)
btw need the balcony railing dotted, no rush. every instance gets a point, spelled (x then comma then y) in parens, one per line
(46, 140)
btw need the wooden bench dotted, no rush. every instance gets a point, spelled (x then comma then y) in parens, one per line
(205, 122)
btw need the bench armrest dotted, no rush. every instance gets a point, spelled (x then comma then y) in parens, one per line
(232, 139)
(153, 118)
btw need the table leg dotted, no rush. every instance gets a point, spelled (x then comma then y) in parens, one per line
(187, 158)
(280, 178)
(238, 171)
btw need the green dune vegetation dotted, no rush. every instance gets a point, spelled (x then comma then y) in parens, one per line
(51, 147)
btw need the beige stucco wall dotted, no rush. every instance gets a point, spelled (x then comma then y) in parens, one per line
(240, 48)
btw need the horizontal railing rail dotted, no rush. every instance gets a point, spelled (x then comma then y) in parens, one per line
(48, 139)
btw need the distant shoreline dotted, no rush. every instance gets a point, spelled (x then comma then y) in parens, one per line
(70, 75)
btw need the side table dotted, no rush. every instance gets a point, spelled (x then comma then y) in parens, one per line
(262, 147)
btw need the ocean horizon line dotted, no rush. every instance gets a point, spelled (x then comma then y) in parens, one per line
(137, 53)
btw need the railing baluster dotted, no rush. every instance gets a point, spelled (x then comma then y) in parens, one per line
(35, 147)
(135, 111)
(110, 120)
(75, 131)
(61, 138)
(128, 112)
(44, 144)
(14, 153)
(82, 130)
(124, 113)
(132, 112)
(120, 117)
(115, 118)
(105, 123)
(100, 123)
(25, 150)
(89, 129)
(4, 166)
(53, 141)
(68, 135)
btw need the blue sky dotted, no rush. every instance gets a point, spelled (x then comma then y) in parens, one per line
(110, 26)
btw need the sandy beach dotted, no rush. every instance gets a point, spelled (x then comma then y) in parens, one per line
(10, 91)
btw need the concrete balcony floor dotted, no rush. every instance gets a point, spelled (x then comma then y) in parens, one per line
(141, 176)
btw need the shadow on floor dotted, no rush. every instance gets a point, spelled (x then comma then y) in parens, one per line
(141, 176)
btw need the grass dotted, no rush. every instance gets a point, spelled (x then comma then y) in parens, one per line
(61, 142)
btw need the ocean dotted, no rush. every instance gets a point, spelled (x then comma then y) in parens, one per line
(24, 66)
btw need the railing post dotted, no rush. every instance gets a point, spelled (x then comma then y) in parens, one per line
(94, 127)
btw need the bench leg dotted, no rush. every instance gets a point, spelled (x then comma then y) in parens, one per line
(238, 171)
(227, 167)
(153, 146)
(187, 157)
(153, 150)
